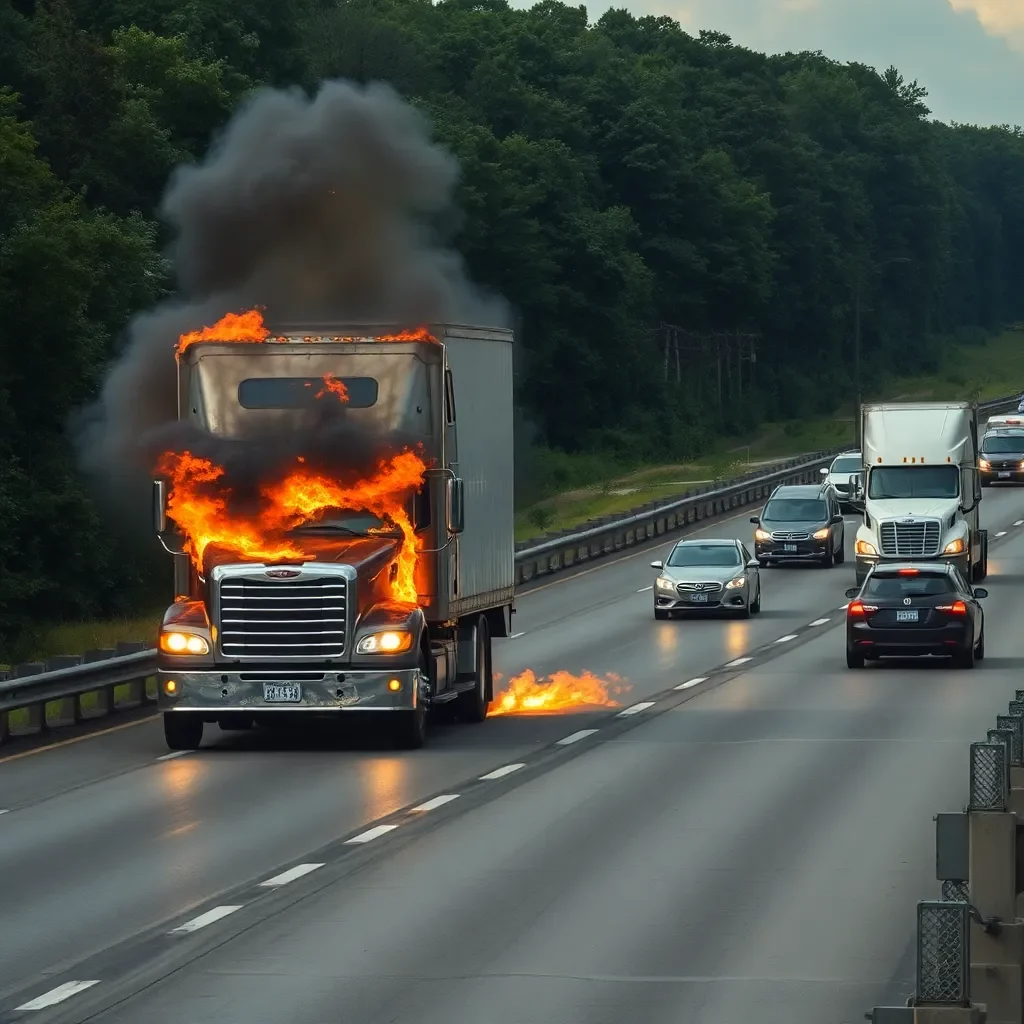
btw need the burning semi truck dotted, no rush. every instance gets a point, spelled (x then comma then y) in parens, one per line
(325, 592)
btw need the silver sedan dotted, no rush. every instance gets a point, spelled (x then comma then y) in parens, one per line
(702, 575)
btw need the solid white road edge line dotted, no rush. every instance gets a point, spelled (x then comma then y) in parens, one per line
(500, 773)
(636, 708)
(643, 590)
(437, 801)
(786, 638)
(203, 920)
(290, 875)
(516, 636)
(738, 661)
(173, 754)
(690, 682)
(581, 735)
(372, 833)
(819, 622)
(57, 995)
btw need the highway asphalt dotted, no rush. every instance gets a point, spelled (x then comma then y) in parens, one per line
(752, 853)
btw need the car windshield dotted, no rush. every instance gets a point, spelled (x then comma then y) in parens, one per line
(917, 585)
(704, 554)
(1004, 444)
(914, 482)
(846, 466)
(795, 510)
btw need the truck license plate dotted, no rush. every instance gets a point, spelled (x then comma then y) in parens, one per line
(1004, 476)
(907, 616)
(282, 693)
(789, 548)
(699, 598)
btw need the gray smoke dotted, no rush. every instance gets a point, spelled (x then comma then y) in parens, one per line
(315, 209)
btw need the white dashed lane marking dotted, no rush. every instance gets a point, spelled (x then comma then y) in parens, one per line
(738, 661)
(437, 801)
(1019, 522)
(210, 917)
(643, 590)
(786, 639)
(173, 754)
(516, 636)
(372, 833)
(819, 622)
(290, 875)
(691, 682)
(576, 736)
(636, 708)
(57, 995)
(1001, 533)
(500, 773)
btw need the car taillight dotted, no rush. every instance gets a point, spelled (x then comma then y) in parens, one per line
(857, 608)
(956, 608)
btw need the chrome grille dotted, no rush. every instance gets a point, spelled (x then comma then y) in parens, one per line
(296, 618)
(791, 536)
(701, 588)
(920, 537)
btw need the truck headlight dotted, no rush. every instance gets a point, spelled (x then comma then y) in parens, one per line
(173, 641)
(984, 464)
(664, 584)
(738, 582)
(821, 534)
(864, 548)
(954, 547)
(392, 641)
(760, 534)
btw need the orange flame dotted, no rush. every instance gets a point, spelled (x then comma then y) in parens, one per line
(247, 326)
(198, 503)
(333, 386)
(560, 691)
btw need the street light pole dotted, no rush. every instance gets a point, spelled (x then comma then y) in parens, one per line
(858, 302)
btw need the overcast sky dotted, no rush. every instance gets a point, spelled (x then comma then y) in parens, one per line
(968, 54)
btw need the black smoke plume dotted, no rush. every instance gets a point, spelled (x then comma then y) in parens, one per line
(315, 209)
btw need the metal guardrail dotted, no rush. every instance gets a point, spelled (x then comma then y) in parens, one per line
(87, 687)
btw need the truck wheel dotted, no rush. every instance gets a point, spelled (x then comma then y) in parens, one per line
(183, 730)
(984, 554)
(409, 728)
(474, 704)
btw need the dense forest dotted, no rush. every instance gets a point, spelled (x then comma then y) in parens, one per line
(682, 227)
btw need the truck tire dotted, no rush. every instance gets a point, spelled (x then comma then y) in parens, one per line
(984, 553)
(183, 730)
(409, 728)
(473, 705)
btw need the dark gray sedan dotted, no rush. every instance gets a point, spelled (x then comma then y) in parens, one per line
(704, 575)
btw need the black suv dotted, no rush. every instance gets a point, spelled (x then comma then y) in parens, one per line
(801, 522)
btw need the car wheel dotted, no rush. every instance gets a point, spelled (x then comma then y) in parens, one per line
(841, 553)
(756, 606)
(965, 658)
(661, 613)
(853, 659)
(979, 650)
(744, 612)
(830, 558)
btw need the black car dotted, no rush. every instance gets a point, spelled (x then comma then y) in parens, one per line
(914, 609)
(1002, 456)
(801, 522)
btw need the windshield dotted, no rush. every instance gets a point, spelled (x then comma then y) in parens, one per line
(846, 466)
(908, 586)
(1007, 443)
(306, 392)
(914, 482)
(795, 510)
(704, 554)
(360, 523)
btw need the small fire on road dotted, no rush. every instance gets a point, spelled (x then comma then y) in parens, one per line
(525, 694)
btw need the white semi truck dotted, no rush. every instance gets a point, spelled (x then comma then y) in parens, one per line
(922, 492)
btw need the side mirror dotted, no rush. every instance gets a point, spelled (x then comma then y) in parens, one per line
(837, 518)
(160, 506)
(853, 592)
(823, 471)
(756, 520)
(753, 564)
(659, 564)
(456, 505)
(980, 592)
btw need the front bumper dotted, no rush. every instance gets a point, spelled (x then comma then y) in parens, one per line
(1002, 476)
(217, 692)
(722, 600)
(776, 550)
(865, 563)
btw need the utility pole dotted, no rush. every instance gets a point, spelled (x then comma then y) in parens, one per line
(858, 302)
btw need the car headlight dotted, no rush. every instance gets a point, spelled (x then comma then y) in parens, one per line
(864, 548)
(738, 582)
(664, 584)
(984, 464)
(954, 547)
(173, 641)
(821, 534)
(760, 534)
(392, 641)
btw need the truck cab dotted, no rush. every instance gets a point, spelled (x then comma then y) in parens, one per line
(921, 487)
